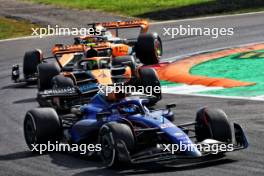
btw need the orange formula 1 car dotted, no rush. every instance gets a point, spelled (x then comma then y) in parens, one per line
(122, 57)
(89, 73)
(147, 48)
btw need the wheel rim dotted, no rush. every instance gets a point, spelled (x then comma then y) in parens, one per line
(157, 46)
(30, 131)
(108, 150)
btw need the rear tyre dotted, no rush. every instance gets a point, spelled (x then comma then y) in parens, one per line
(46, 71)
(31, 61)
(125, 61)
(212, 124)
(110, 135)
(42, 125)
(148, 79)
(61, 81)
(149, 48)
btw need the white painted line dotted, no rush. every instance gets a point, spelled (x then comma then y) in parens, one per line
(222, 96)
(37, 36)
(187, 89)
(195, 90)
(159, 22)
(24, 38)
(178, 91)
(206, 18)
(171, 59)
(18, 38)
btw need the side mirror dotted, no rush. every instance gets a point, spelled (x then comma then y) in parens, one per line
(170, 115)
(169, 106)
(103, 114)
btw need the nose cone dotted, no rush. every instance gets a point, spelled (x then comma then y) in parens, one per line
(193, 151)
(182, 143)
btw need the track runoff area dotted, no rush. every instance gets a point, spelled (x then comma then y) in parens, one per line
(228, 73)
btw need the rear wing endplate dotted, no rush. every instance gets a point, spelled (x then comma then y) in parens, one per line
(143, 24)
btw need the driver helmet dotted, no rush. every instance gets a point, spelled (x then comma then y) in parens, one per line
(101, 29)
(129, 109)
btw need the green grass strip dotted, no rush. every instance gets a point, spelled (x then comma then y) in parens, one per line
(10, 28)
(125, 7)
(247, 67)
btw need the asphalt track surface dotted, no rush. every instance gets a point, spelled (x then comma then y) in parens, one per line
(15, 158)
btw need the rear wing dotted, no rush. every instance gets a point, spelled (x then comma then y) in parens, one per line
(67, 49)
(64, 49)
(68, 92)
(143, 24)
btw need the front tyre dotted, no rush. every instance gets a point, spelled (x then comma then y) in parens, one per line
(148, 79)
(110, 136)
(41, 125)
(212, 124)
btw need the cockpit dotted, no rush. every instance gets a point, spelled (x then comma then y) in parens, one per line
(129, 109)
(94, 64)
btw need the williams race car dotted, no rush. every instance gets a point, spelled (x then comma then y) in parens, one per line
(128, 132)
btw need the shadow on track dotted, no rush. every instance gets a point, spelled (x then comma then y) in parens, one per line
(21, 85)
(94, 166)
(17, 155)
(27, 100)
(151, 168)
(71, 161)
(206, 8)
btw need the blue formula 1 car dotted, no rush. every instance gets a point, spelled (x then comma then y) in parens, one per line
(129, 132)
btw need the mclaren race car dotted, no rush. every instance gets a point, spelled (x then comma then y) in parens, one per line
(106, 60)
(89, 75)
(146, 49)
(128, 132)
